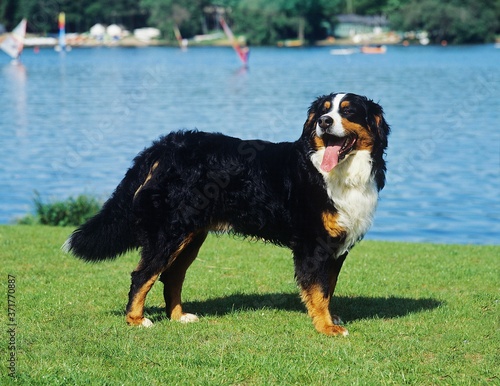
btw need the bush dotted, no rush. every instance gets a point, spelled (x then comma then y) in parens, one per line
(71, 212)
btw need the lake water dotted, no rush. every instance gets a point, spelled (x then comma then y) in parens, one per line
(71, 123)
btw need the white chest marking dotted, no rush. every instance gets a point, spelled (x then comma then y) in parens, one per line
(352, 188)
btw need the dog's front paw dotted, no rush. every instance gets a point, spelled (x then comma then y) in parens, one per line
(334, 330)
(331, 329)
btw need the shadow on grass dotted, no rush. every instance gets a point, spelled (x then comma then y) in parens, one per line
(349, 308)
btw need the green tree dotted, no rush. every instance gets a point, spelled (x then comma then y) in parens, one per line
(80, 15)
(267, 21)
(188, 16)
(262, 21)
(128, 13)
(7, 12)
(367, 7)
(456, 21)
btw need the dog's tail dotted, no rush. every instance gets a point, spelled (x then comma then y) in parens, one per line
(112, 231)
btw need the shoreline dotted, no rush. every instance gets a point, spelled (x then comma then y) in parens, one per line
(85, 41)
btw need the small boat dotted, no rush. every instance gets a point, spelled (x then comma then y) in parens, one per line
(373, 50)
(61, 46)
(291, 43)
(14, 42)
(344, 51)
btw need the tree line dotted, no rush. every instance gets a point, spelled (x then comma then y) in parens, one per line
(263, 22)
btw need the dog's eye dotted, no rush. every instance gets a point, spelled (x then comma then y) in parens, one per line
(347, 110)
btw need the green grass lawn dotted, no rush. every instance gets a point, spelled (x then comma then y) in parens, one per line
(417, 314)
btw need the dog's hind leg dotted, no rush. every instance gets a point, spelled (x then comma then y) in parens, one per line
(173, 279)
(153, 262)
(143, 279)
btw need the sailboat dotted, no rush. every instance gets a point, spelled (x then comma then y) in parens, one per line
(14, 42)
(242, 52)
(183, 43)
(61, 46)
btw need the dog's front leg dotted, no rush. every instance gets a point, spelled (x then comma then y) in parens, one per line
(317, 303)
(317, 280)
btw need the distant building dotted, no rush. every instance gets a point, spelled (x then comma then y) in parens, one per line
(351, 25)
(98, 31)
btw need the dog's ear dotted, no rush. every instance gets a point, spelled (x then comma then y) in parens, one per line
(380, 130)
(376, 122)
(314, 112)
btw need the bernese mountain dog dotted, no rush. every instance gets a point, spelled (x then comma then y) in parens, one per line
(316, 196)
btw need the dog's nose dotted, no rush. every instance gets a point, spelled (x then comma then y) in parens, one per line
(325, 122)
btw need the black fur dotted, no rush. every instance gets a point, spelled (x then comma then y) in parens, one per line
(188, 183)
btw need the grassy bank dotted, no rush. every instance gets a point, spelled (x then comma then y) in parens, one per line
(417, 314)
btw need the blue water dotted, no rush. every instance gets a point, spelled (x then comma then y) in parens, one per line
(72, 123)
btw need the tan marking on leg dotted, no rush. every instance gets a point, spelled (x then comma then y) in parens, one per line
(173, 279)
(149, 176)
(330, 222)
(179, 250)
(175, 311)
(135, 315)
(135, 311)
(317, 307)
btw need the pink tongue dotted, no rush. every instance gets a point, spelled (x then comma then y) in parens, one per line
(331, 158)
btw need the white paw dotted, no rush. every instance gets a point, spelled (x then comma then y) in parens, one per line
(345, 333)
(147, 323)
(188, 318)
